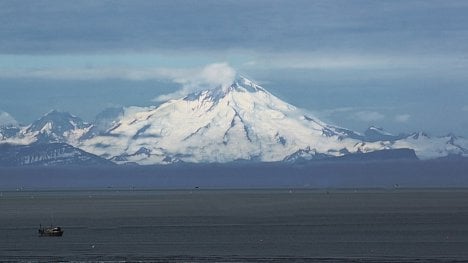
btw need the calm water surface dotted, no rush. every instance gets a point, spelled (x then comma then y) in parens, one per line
(237, 225)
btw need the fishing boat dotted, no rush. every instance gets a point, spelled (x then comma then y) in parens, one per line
(50, 231)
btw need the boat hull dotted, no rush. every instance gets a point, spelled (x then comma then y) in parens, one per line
(47, 232)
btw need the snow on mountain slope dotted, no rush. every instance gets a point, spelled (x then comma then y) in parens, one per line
(103, 121)
(461, 142)
(429, 147)
(239, 122)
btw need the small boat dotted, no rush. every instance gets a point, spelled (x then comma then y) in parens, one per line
(50, 231)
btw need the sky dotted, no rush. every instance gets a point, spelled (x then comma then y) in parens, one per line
(400, 65)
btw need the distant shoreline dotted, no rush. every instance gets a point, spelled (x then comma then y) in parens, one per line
(290, 190)
(315, 175)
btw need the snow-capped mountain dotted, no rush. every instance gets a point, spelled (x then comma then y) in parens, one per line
(54, 126)
(242, 121)
(239, 122)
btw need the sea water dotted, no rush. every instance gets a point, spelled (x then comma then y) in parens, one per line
(256, 225)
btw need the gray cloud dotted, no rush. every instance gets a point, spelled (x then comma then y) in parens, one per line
(51, 26)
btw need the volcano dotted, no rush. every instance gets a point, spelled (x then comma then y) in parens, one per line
(242, 121)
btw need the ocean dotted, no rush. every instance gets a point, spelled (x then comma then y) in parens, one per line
(250, 225)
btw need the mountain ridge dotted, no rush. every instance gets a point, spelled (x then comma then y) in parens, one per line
(48, 154)
(242, 121)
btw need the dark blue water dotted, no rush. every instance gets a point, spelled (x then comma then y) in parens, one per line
(237, 225)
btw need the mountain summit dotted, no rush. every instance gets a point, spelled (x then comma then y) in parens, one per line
(57, 126)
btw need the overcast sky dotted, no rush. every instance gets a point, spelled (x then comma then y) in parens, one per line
(401, 65)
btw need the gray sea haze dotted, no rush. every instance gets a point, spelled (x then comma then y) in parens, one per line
(237, 225)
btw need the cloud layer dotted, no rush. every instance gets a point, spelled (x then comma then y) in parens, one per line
(53, 26)
(96, 73)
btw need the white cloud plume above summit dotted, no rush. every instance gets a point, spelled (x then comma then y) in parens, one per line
(211, 76)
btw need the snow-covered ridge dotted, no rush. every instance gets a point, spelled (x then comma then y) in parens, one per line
(242, 121)
(54, 126)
